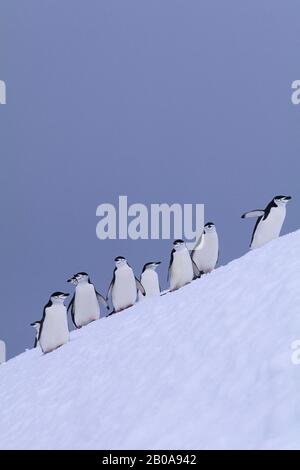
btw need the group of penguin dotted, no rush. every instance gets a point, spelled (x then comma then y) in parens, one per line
(125, 288)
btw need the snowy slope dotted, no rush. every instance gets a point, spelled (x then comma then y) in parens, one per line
(208, 366)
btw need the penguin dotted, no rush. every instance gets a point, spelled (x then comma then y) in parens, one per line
(54, 331)
(182, 270)
(270, 221)
(206, 253)
(36, 325)
(149, 279)
(84, 305)
(124, 286)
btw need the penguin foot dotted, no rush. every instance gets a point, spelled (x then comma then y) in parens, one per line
(111, 313)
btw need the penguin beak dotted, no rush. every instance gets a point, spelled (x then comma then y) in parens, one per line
(287, 198)
(71, 279)
(64, 296)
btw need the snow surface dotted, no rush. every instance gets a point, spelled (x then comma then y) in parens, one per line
(206, 367)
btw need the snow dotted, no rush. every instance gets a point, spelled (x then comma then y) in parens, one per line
(206, 367)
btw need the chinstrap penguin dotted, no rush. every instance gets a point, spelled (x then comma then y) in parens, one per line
(84, 305)
(206, 253)
(54, 330)
(269, 222)
(149, 279)
(124, 286)
(182, 270)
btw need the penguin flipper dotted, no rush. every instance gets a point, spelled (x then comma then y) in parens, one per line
(71, 303)
(71, 306)
(42, 320)
(102, 300)
(140, 287)
(170, 263)
(255, 213)
(109, 290)
(111, 285)
(196, 270)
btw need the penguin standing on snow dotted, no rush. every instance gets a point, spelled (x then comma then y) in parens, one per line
(182, 269)
(84, 305)
(149, 279)
(124, 286)
(269, 222)
(54, 330)
(206, 253)
(36, 325)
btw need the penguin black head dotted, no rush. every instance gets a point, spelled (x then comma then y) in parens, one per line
(81, 277)
(120, 261)
(178, 244)
(58, 297)
(281, 200)
(209, 227)
(152, 265)
(73, 280)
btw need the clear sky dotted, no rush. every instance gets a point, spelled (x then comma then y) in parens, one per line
(160, 100)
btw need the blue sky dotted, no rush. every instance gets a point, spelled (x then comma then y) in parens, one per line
(161, 100)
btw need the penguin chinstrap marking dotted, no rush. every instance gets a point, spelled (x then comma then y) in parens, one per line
(36, 325)
(270, 221)
(182, 270)
(54, 331)
(150, 280)
(206, 252)
(85, 303)
(124, 286)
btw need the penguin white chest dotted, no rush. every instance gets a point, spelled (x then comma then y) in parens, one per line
(124, 291)
(206, 254)
(150, 282)
(270, 228)
(55, 330)
(181, 270)
(86, 304)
